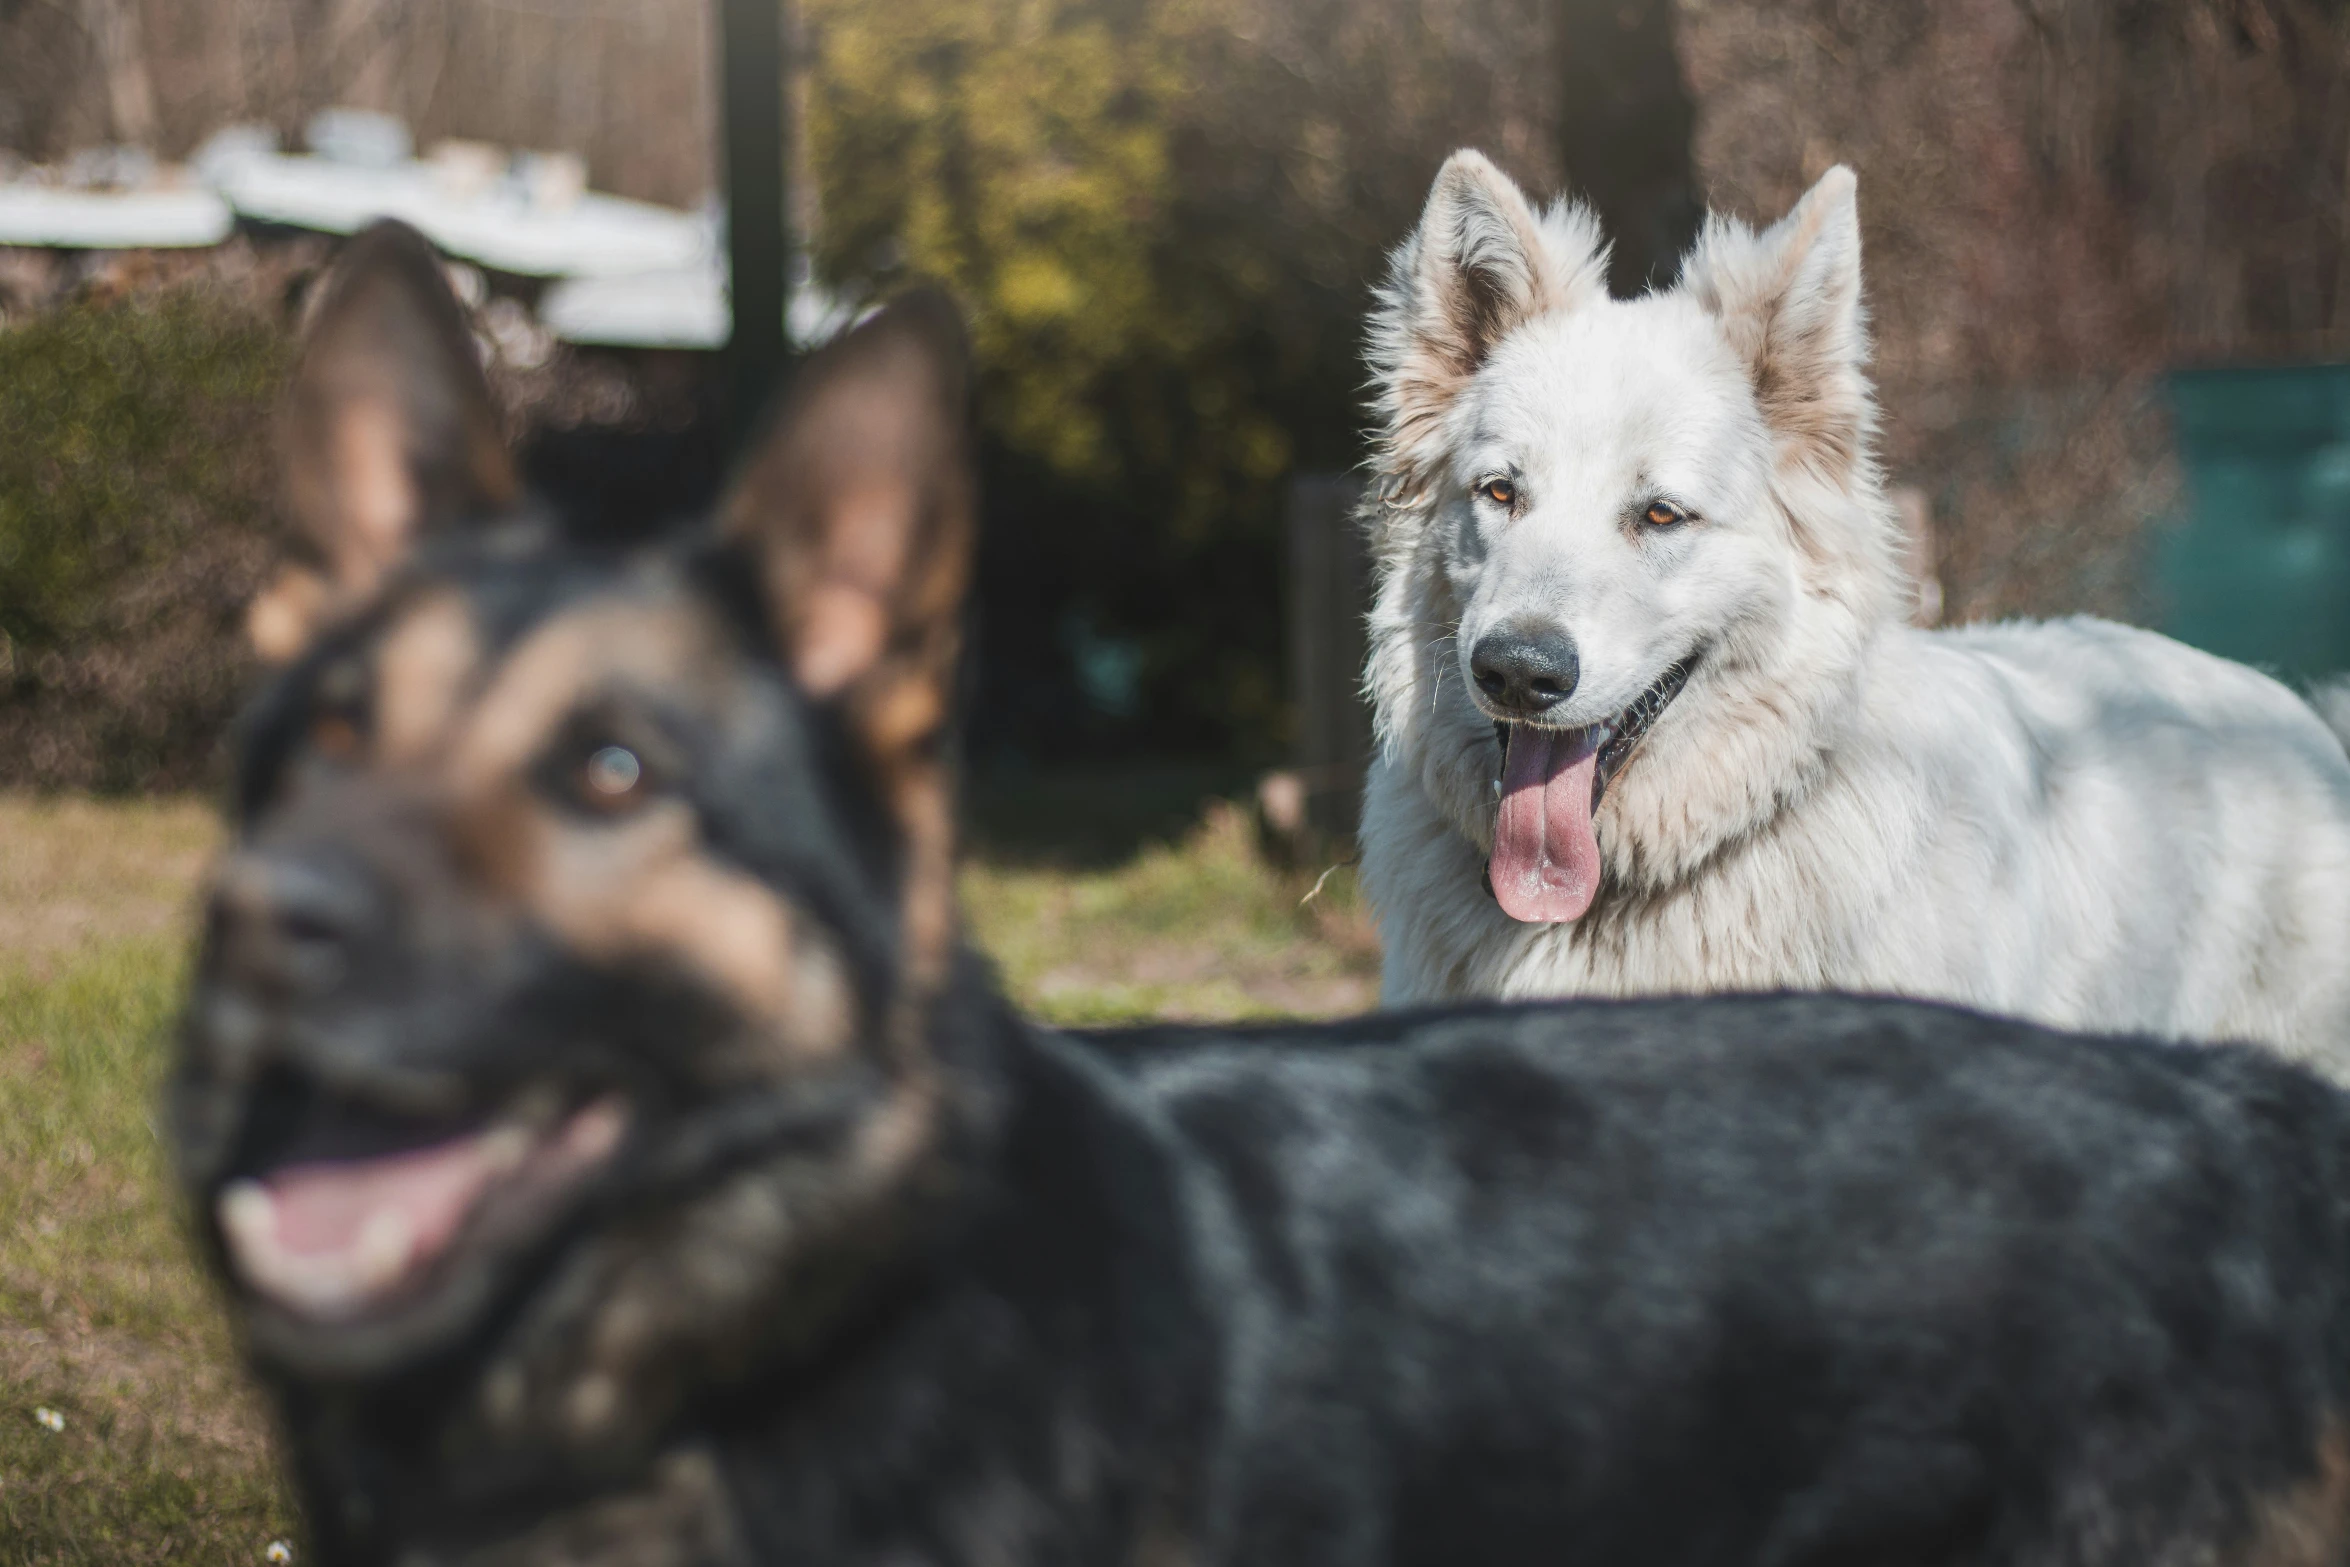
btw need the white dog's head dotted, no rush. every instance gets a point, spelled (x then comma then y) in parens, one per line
(1633, 519)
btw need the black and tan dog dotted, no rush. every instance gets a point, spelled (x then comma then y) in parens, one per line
(615, 1158)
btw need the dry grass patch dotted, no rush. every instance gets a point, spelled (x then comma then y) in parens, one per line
(75, 871)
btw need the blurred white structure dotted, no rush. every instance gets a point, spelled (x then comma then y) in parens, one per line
(530, 214)
(627, 274)
(684, 308)
(108, 198)
(112, 220)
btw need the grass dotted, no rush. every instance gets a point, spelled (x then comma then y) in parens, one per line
(1199, 928)
(164, 1456)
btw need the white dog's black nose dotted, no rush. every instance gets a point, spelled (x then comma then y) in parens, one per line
(1522, 671)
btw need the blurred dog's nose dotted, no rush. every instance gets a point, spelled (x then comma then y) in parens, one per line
(287, 922)
(1524, 671)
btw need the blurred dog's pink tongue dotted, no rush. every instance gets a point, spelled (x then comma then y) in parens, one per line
(1545, 863)
(329, 1238)
(326, 1207)
(332, 1237)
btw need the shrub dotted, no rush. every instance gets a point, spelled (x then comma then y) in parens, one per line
(135, 500)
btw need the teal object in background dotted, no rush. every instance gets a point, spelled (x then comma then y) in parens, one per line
(2260, 569)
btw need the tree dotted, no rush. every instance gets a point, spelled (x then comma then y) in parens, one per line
(1624, 121)
(115, 38)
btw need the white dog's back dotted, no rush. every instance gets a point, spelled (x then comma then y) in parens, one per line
(2076, 821)
(2160, 838)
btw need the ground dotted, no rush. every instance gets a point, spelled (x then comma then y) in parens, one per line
(127, 1435)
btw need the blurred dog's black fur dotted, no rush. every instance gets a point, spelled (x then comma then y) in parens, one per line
(627, 876)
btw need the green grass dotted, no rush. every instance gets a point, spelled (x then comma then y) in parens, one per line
(102, 1318)
(1198, 928)
(165, 1456)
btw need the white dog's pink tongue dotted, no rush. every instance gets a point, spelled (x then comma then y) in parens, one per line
(1545, 865)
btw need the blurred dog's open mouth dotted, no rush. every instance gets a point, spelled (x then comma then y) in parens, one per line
(1545, 864)
(361, 1211)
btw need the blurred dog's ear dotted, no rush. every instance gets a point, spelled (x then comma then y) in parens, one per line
(389, 432)
(861, 508)
(861, 502)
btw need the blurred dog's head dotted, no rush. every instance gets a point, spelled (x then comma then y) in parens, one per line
(562, 1040)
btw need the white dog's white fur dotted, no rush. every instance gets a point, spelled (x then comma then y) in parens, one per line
(2076, 822)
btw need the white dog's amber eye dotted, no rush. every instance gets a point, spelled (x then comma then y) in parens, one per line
(1663, 514)
(1499, 491)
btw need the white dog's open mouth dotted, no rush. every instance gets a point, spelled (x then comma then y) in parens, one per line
(1545, 865)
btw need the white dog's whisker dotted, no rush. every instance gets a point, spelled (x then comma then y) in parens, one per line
(1437, 663)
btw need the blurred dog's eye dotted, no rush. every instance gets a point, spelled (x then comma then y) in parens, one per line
(340, 699)
(342, 683)
(1664, 514)
(335, 737)
(1499, 491)
(339, 703)
(612, 776)
(602, 765)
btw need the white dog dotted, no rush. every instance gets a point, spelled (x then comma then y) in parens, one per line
(1650, 718)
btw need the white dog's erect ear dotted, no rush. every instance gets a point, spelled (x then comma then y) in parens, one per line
(1789, 298)
(1481, 264)
(389, 432)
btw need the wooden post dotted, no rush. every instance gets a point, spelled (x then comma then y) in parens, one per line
(758, 241)
(1624, 123)
(1329, 593)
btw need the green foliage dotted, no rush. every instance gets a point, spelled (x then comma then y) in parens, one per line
(125, 429)
(136, 476)
(1026, 144)
(1039, 158)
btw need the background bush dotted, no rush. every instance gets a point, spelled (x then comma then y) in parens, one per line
(135, 500)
